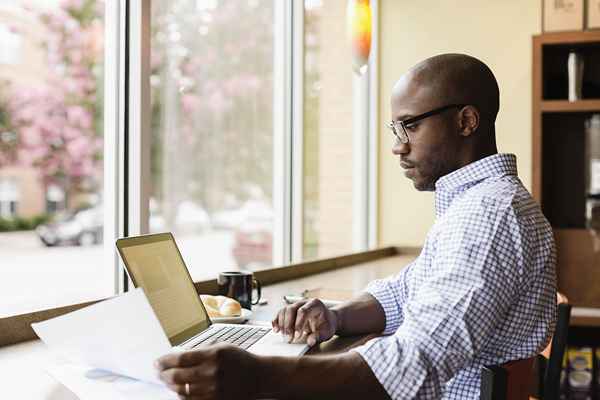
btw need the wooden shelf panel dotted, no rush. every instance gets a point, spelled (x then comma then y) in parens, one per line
(577, 268)
(562, 38)
(585, 321)
(589, 105)
(581, 316)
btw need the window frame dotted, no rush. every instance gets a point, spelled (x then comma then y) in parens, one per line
(282, 122)
(127, 150)
(297, 132)
(373, 131)
(115, 23)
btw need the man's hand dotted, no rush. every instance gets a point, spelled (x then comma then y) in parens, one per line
(306, 320)
(218, 371)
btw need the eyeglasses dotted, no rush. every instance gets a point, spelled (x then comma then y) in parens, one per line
(398, 128)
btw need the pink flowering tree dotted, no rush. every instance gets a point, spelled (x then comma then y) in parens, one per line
(58, 125)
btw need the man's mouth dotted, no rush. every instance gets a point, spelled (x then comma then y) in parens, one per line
(406, 165)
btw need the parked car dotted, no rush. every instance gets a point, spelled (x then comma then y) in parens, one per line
(253, 238)
(82, 227)
(231, 218)
(191, 218)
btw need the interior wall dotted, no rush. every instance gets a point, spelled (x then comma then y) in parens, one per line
(498, 33)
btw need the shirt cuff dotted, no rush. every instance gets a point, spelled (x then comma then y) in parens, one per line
(385, 297)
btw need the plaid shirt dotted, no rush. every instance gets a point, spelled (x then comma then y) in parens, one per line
(482, 291)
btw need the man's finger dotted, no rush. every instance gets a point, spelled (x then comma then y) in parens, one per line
(314, 314)
(301, 316)
(180, 359)
(181, 376)
(289, 320)
(275, 322)
(193, 391)
(313, 337)
(279, 321)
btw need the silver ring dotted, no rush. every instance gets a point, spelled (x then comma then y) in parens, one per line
(187, 389)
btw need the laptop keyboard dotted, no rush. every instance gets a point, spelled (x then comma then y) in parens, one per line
(243, 337)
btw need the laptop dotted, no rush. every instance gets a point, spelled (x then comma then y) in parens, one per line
(155, 264)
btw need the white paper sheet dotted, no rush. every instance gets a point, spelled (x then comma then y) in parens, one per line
(121, 335)
(91, 384)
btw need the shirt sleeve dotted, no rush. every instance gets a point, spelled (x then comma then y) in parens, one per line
(475, 275)
(391, 293)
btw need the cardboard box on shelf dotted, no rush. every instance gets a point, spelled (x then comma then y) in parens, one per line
(593, 14)
(562, 15)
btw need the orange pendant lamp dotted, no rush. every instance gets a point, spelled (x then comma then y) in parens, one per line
(358, 14)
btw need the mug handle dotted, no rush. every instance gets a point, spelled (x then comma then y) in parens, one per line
(256, 284)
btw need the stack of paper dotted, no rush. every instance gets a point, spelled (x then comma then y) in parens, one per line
(120, 336)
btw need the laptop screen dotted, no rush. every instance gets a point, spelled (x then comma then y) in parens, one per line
(155, 264)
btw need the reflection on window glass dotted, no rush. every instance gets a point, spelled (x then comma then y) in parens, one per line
(51, 138)
(212, 131)
(327, 130)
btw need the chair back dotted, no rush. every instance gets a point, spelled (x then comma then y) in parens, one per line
(551, 382)
(510, 381)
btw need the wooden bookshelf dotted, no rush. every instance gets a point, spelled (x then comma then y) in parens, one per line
(558, 147)
(548, 106)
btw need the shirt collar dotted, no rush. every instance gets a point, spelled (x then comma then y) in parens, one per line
(449, 186)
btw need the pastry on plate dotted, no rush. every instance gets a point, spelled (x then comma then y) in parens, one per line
(221, 306)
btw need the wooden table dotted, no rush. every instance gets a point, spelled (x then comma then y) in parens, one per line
(21, 366)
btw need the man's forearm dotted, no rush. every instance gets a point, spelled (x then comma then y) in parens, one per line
(361, 315)
(343, 376)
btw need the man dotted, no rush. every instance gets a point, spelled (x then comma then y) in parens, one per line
(481, 292)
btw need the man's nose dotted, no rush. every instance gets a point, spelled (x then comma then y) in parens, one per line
(400, 148)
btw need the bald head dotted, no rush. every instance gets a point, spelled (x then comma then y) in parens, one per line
(448, 105)
(455, 79)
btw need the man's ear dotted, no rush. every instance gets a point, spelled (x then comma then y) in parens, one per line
(468, 120)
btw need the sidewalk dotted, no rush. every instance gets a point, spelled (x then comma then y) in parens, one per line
(36, 277)
(20, 241)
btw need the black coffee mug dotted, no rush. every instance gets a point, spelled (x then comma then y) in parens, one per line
(238, 285)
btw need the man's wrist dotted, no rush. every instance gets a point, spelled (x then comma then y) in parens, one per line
(349, 377)
(263, 375)
(271, 372)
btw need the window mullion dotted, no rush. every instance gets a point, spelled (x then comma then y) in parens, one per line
(113, 135)
(297, 133)
(282, 127)
(373, 158)
(138, 134)
(364, 149)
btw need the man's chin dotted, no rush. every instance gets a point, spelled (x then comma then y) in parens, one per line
(423, 186)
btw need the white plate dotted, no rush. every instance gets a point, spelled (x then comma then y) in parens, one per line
(246, 314)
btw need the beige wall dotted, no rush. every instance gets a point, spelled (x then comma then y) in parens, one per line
(497, 32)
(334, 216)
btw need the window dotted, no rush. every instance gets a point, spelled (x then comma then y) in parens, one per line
(217, 164)
(212, 131)
(55, 199)
(11, 45)
(9, 195)
(51, 142)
